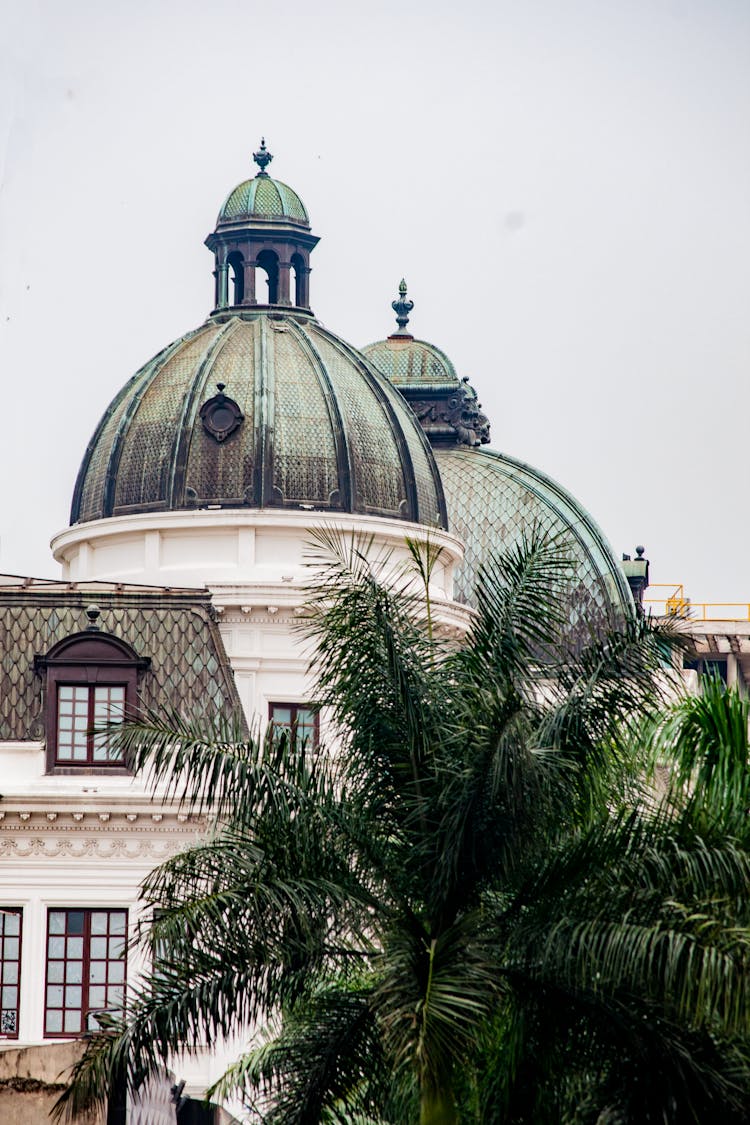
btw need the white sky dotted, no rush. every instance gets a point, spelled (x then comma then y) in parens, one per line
(565, 186)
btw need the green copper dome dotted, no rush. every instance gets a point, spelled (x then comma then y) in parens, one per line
(492, 500)
(300, 420)
(409, 362)
(263, 198)
(447, 406)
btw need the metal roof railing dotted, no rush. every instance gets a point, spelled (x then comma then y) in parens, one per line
(675, 604)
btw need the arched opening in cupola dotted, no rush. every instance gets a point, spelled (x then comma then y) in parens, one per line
(236, 268)
(267, 263)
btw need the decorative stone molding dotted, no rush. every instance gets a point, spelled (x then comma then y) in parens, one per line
(451, 413)
(154, 836)
(278, 616)
(101, 847)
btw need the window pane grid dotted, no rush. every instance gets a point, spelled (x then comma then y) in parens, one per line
(86, 968)
(10, 970)
(80, 708)
(296, 719)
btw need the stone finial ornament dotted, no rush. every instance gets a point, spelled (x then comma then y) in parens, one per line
(402, 308)
(262, 157)
(93, 613)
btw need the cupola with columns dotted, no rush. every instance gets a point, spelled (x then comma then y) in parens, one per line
(261, 245)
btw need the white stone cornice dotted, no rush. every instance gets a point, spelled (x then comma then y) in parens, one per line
(240, 549)
(276, 518)
(72, 820)
(271, 665)
(12, 746)
(148, 835)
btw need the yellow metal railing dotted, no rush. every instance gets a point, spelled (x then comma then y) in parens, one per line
(675, 604)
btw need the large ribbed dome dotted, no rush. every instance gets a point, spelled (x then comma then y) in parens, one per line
(300, 419)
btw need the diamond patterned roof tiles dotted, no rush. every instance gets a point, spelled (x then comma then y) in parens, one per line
(409, 362)
(493, 499)
(263, 198)
(321, 428)
(189, 666)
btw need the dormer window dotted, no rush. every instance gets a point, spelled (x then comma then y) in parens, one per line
(90, 680)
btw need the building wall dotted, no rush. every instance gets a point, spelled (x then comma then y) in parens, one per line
(32, 1079)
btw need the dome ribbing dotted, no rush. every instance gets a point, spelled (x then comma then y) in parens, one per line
(263, 198)
(302, 420)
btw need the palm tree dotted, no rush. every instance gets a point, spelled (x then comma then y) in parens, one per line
(476, 909)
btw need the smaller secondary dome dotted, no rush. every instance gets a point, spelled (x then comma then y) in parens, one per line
(406, 361)
(263, 198)
(446, 405)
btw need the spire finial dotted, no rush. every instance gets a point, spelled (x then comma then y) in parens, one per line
(262, 157)
(402, 308)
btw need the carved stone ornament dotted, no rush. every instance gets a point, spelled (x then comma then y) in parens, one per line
(458, 412)
(221, 416)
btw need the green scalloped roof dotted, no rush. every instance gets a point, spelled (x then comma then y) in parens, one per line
(409, 362)
(263, 198)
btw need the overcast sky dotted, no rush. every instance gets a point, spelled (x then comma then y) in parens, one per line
(565, 185)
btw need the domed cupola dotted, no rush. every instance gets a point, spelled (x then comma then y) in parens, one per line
(445, 404)
(260, 407)
(262, 245)
(493, 499)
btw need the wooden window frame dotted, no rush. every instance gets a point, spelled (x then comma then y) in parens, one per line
(5, 911)
(91, 691)
(295, 708)
(90, 659)
(85, 983)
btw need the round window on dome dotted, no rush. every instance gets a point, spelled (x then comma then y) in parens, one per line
(221, 415)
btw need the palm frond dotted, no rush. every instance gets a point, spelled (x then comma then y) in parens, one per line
(704, 741)
(324, 1062)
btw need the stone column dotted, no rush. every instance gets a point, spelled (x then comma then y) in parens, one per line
(303, 286)
(249, 298)
(284, 268)
(223, 300)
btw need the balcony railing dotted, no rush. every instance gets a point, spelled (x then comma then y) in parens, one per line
(673, 603)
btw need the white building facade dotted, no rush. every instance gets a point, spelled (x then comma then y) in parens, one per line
(183, 580)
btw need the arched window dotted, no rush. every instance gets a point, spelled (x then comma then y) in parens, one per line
(236, 267)
(90, 679)
(268, 264)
